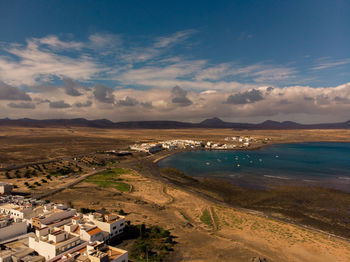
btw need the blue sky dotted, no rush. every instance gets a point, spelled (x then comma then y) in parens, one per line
(117, 57)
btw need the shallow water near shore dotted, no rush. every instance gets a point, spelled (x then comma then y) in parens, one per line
(312, 164)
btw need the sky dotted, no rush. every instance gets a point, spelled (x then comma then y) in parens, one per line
(242, 61)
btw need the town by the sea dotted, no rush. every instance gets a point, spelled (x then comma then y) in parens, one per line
(311, 164)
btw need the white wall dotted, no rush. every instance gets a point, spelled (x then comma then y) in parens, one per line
(44, 249)
(112, 229)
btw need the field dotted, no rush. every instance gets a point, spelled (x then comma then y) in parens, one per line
(20, 145)
(110, 178)
(206, 230)
(211, 220)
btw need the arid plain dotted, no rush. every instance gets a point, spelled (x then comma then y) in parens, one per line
(207, 225)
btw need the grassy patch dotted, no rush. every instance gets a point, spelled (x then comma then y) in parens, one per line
(205, 218)
(110, 178)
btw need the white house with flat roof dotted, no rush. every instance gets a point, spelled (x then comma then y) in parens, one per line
(86, 231)
(51, 243)
(100, 252)
(53, 216)
(111, 223)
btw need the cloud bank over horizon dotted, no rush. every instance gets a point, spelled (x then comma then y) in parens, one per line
(110, 76)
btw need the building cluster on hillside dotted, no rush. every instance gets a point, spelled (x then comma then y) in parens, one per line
(32, 230)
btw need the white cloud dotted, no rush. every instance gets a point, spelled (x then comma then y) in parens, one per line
(32, 64)
(54, 42)
(230, 90)
(329, 63)
(166, 41)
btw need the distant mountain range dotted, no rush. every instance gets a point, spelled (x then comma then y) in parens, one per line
(208, 123)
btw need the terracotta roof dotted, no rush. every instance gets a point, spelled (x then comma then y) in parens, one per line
(94, 231)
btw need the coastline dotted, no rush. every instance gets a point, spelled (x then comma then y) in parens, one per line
(291, 202)
(221, 192)
(259, 176)
(252, 148)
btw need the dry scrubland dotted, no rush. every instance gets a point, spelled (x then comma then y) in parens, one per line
(205, 229)
(18, 144)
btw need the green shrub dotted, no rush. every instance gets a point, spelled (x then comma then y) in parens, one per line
(206, 218)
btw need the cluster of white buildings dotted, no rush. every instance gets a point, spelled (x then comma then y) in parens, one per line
(234, 142)
(219, 146)
(241, 139)
(31, 230)
(147, 147)
(181, 143)
(169, 144)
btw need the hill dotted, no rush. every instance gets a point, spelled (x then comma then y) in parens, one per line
(207, 123)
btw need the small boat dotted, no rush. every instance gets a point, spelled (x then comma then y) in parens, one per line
(207, 163)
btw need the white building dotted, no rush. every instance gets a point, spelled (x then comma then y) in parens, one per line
(100, 252)
(96, 252)
(86, 231)
(17, 211)
(53, 243)
(111, 223)
(53, 216)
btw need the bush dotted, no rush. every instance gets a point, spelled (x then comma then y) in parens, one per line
(152, 244)
(43, 180)
(85, 210)
(122, 213)
(7, 174)
(27, 174)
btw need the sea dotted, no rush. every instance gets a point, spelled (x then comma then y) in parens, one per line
(320, 164)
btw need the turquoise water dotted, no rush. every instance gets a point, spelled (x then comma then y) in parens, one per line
(321, 164)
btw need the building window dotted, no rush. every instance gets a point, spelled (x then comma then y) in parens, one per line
(114, 227)
(122, 224)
